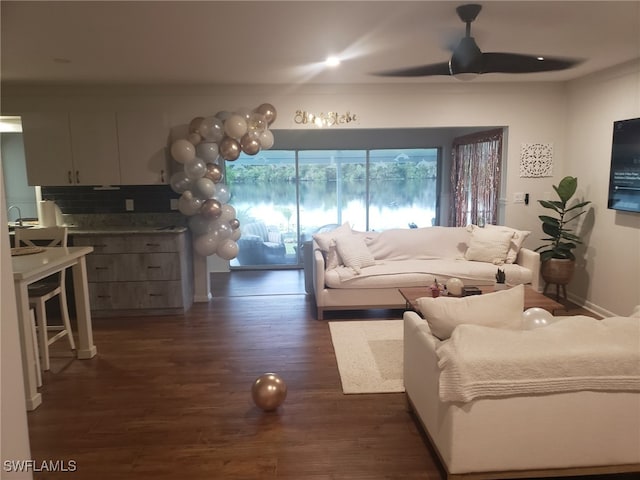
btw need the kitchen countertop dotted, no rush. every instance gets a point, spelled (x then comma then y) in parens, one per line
(118, 230)
(125, 230)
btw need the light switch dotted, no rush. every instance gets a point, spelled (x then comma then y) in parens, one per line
(518, 197)
(128, 205)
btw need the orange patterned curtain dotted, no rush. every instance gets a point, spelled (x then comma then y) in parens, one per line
(475, 178)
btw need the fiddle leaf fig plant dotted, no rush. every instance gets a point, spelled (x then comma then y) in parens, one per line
(561, 239)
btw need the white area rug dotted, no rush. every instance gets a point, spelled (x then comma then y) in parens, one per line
(369, 355)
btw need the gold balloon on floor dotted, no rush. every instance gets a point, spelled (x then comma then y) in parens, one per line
(269, 391)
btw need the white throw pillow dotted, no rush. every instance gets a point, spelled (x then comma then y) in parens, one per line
(327, 243)
(488, 245)
(502, 309)
(354, 252)
(519, 236)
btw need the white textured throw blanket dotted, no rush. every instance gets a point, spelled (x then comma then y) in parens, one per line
(571, 354)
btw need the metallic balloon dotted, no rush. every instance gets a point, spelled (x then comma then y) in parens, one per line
(211, 208)
(257, 121)
(249, 144)
(212, 129)
(229, 149)
(269, 391)
(195, 124)
(234, 223)
(214, 172)
(269, 112)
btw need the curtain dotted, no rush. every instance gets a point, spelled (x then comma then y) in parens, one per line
(475, 178)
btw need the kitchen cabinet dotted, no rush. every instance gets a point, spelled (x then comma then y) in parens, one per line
(143, 139)
(71, 148)
(96, 148)
(140, 274)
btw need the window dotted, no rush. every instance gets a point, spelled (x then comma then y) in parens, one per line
(282, 197)
(475, 178)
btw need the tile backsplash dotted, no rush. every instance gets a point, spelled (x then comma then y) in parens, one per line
(91, 200)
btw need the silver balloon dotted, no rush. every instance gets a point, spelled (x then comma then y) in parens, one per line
(266, 140)
(222, 193)
(180, 182)
(195, 168)
(536, 317)
(207, 151)
(204, 188)
(212, 129)
(269, 391)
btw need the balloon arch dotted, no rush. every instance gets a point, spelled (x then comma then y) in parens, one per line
(204, 195)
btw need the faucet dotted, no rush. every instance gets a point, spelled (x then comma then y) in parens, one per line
(19, 219)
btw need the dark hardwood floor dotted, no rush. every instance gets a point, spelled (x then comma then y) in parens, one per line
(168, 397)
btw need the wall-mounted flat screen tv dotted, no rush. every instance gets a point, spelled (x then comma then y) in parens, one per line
(624, 180)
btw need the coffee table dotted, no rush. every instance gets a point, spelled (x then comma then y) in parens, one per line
(532, 298)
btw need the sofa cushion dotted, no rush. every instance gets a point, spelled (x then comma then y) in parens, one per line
(419, 243)
(327, 243)
(519, 236)
(353, 252)
(502, 309)
(488, 245)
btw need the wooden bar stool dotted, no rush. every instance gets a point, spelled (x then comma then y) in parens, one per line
(46, 289)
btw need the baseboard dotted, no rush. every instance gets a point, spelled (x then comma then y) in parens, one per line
(590, 306)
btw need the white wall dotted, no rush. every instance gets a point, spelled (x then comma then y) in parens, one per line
(14, 439)
(608, 277)
(532, 112)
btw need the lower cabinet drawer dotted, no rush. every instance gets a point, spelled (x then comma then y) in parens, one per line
(135, 295)
(133, 267)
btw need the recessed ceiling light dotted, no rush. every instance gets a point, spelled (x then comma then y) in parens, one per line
(332, 61)
(540, 58)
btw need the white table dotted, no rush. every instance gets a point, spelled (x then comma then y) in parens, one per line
(31, 268)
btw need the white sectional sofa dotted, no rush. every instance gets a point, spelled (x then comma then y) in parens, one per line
(361, 270)
(546, 432)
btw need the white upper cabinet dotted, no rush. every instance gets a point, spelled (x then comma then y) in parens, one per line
(143, 139)
(71, 148)
(47, 148)
(105, 148)
(94, 145)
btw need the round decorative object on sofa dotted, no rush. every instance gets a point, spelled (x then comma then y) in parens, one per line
(455, 286)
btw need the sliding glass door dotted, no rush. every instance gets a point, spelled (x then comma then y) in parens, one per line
(283, 197)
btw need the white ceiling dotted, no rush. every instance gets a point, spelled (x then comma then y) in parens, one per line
(269, 42)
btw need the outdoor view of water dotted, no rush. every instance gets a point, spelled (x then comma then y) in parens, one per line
(393, 204)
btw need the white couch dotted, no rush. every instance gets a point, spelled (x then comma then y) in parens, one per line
(570, 432)
(361, 270)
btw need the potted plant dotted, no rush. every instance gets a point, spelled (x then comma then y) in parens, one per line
(501, 280)
(558, 260)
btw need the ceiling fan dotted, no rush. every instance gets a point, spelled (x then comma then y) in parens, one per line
(467, 60)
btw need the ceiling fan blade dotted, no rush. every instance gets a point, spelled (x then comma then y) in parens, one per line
(494, 62)
(421, 71)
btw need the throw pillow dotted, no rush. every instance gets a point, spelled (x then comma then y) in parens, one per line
(519, 236)
(327, 243)
(502, 309)
(354, 252)
(488, 245)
